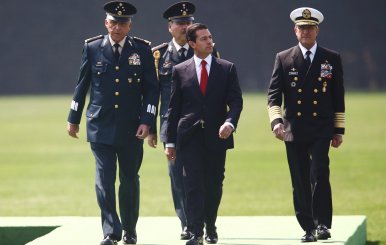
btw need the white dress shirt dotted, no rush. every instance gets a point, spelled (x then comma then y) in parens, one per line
(121, 43)
(197, 62)
(178, 47)
(304, 50)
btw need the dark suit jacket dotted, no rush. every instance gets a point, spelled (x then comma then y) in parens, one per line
(313, 98)
(222, 103)
(123, 94)
(169, 58)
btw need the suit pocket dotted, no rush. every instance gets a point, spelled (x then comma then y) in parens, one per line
(93, 111)
(98, 71)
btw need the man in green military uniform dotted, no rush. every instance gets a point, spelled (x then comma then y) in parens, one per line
(120, 73)
(310, 78)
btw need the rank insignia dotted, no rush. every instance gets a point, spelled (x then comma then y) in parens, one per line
(293, 72)
(326, 70)
(134, 59)
(293, 84)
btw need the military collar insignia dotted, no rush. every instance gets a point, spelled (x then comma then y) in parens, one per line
(134, 59)
(326, 70)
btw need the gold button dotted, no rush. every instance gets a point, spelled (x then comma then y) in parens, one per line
(135, 74)
(315, 102)
(117, 68)
(314, 114)
(116, 93)
(295, 78)
(315, 91)
(299, 114)
(299, 90)
(117, 80)
(116, 106)
(319, 79)
(129, 80)
(138, 80)
(299, 102)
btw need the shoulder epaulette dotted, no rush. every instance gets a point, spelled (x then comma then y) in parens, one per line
(142, 40)
(159, 47)
(93, 38)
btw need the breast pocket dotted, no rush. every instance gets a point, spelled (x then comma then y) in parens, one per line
(98, 71)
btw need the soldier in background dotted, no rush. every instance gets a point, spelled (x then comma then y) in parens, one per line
(167, 55)
(310, 78)
(120, 71)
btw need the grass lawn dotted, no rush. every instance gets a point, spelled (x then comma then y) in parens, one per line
(44, 172)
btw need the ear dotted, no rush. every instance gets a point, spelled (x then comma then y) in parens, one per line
(192, 44)
(106, 23)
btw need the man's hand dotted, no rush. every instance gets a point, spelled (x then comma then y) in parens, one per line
(225, 131)
(152, 140)
(278, 131)
(143, 131)
(170, 153)
(337, 140)
(73, 129)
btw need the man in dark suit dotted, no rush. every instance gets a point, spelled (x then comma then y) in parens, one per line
(167, 55)
(123, 100)
(204, 109)
(310, 78)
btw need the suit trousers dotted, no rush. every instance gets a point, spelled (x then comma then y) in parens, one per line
(129, 158)
(178, 191)
(204, 170)
(310, 172)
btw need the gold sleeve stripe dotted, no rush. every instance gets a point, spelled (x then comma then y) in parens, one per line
(274, 112)
(339, 121)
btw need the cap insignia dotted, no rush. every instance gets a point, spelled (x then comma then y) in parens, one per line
(306, 14)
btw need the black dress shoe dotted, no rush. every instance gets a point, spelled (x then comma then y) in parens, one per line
(109, 240)
(129, 238)
(186, 234)
(211, 237)
(322, 232)
(195, 240)
(309, 237)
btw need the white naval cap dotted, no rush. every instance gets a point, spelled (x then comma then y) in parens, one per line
(306, 16)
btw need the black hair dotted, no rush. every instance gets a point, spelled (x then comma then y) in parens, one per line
(191, 31)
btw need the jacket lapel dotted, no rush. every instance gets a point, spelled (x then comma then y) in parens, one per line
(190, 69)
(107, 50)
(212, 75)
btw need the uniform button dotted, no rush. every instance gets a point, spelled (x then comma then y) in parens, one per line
(116, 93)
(99, 73)
(315, 91)
(129, 80)
(299, 102)
(116, 106)
(319, 79)
(299, 90)
(138, 80)
(117, 80)
(299, 114)
(295, 78)
(314, 114)
(315, 102)
(117, 68)
(135, 74)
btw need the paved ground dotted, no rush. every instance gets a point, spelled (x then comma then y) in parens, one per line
(256, 230)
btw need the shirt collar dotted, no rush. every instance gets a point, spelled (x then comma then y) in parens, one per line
(121, 43)
(197, 60)
(178, 47)
(304, 50)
